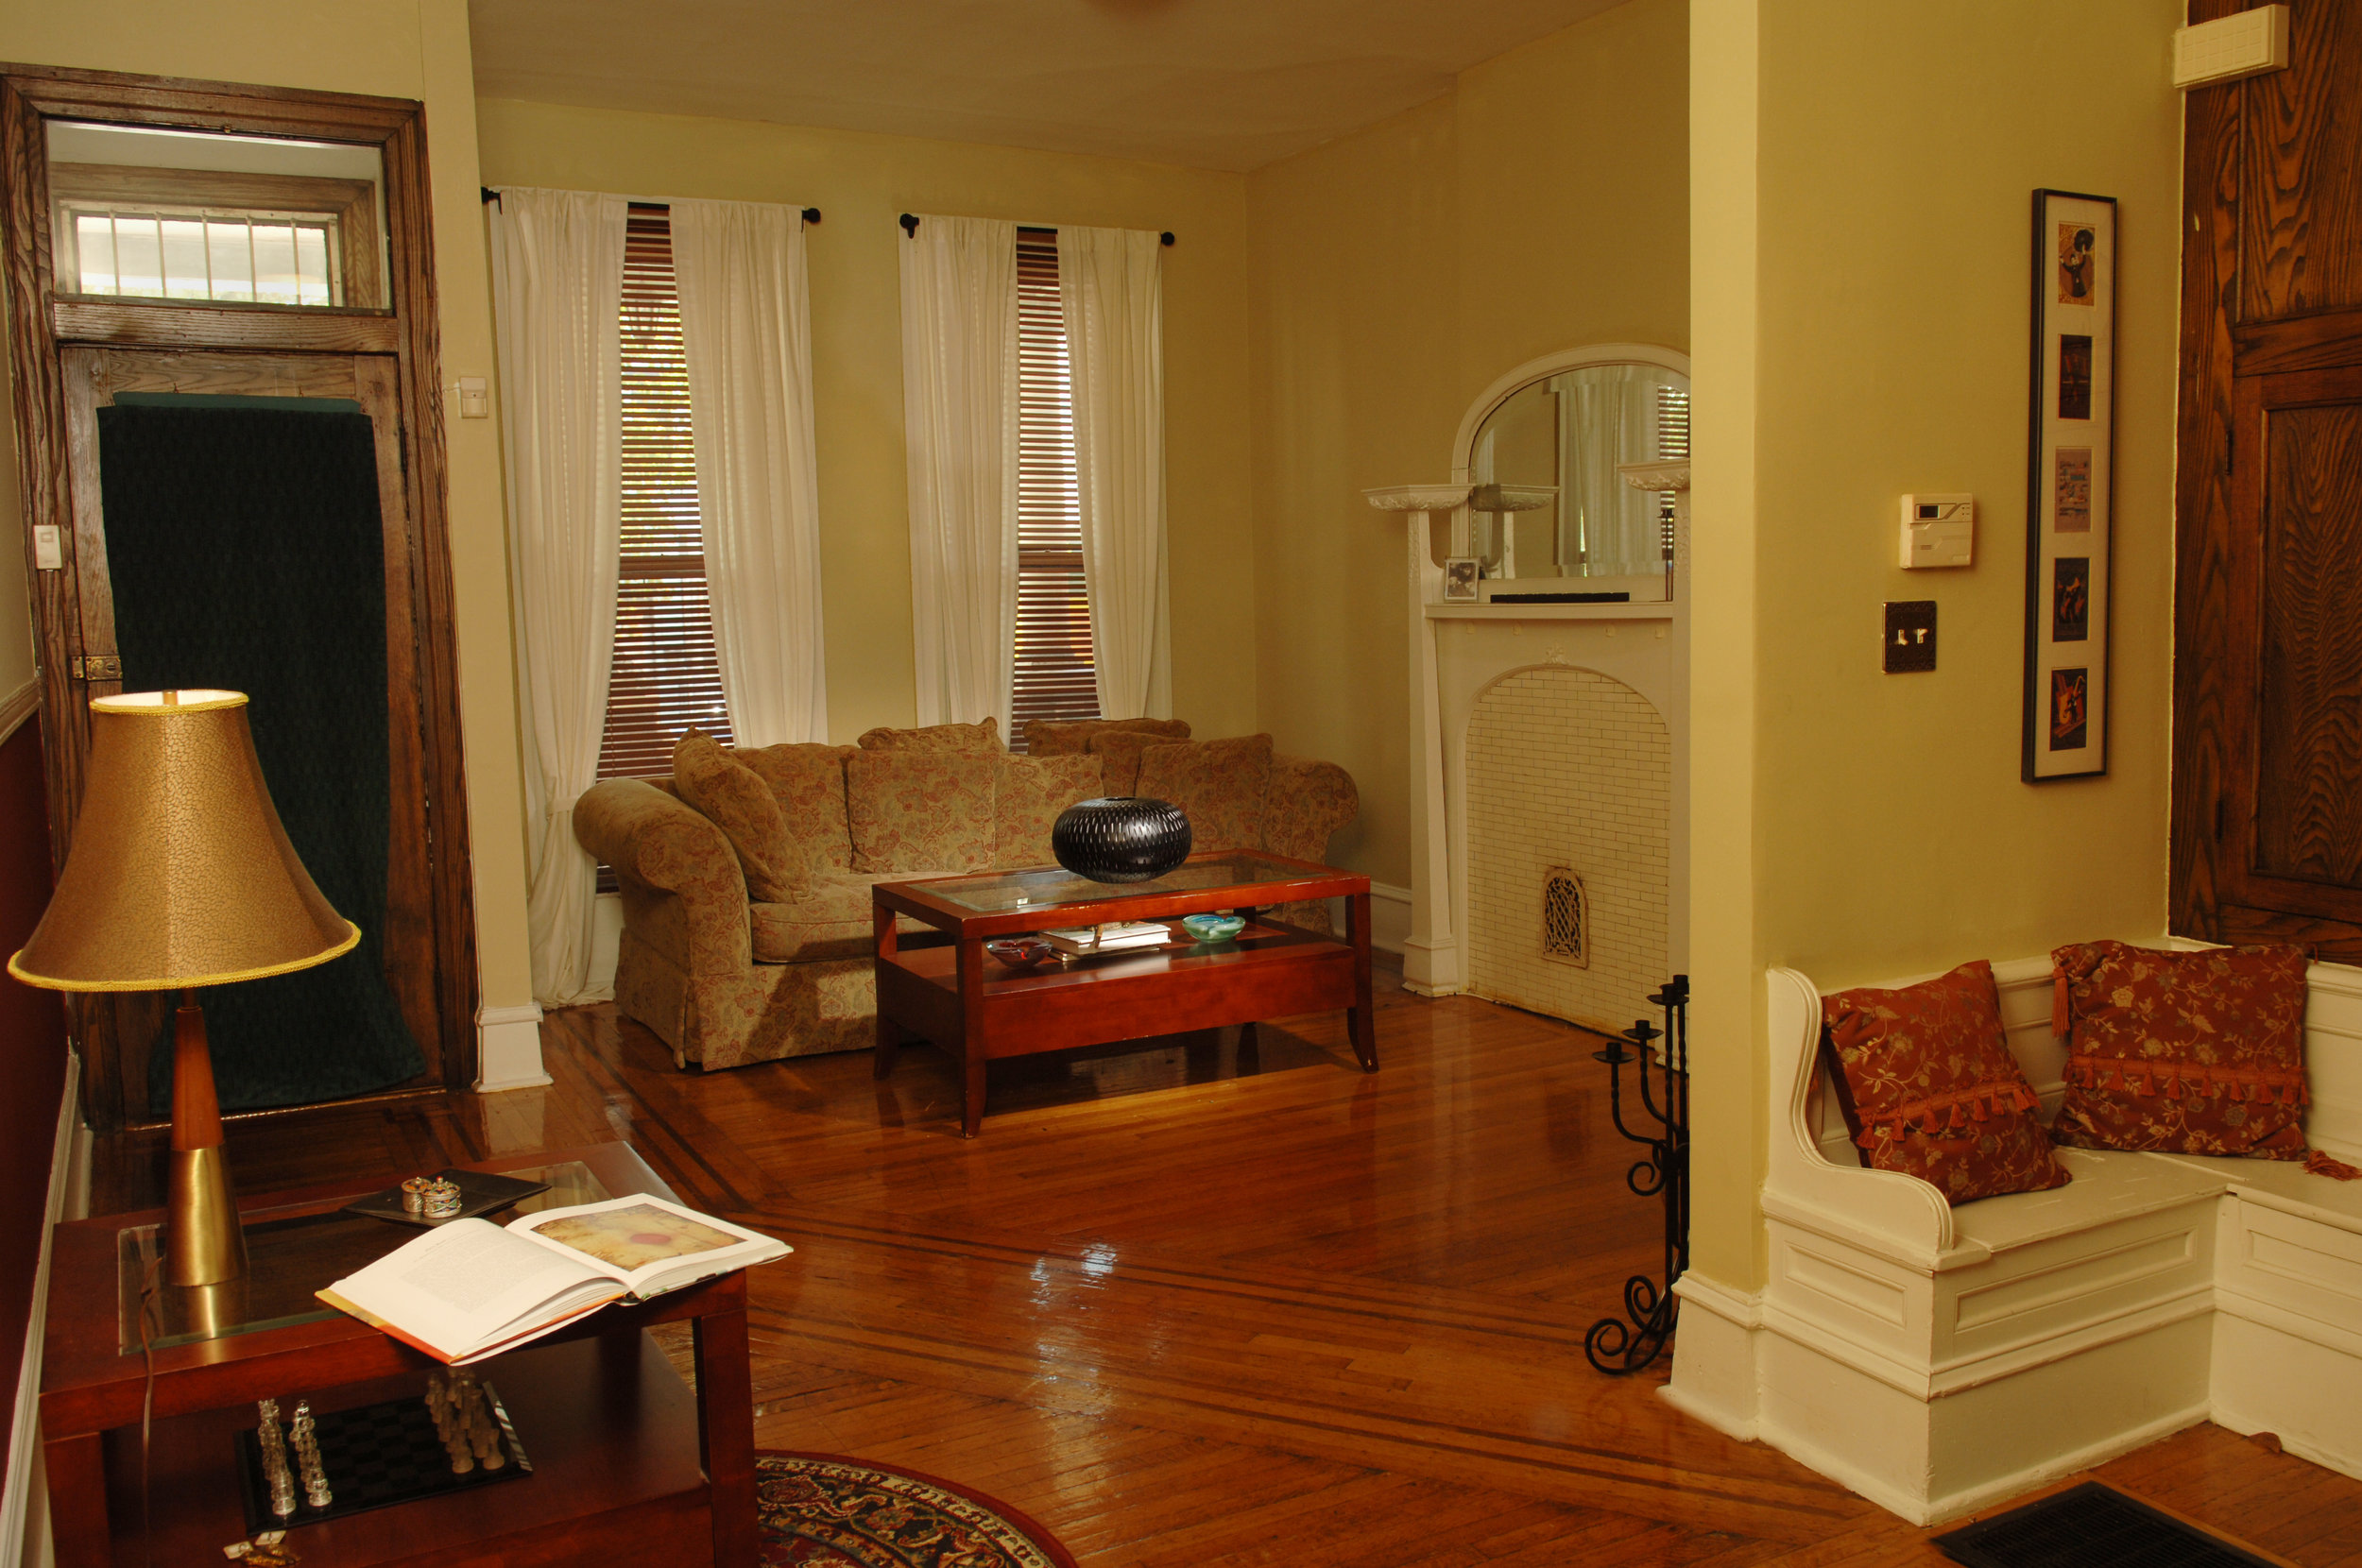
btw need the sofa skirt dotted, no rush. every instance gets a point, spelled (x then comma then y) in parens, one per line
(760, 1013)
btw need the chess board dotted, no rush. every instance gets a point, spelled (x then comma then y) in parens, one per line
(373, 1455)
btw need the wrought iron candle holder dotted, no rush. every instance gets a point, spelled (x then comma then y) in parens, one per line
(1620, 1345)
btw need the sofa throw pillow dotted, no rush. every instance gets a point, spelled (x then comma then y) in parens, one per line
(2186, 1053)
(1067, 737)
(1218, 784)
(983, 735)
(1118, 752)
(1929, 1087)
(920, 810)
(1027, 799)
(808, 781)
(735, 799)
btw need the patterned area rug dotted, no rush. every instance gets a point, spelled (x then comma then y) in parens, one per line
(818, 1510)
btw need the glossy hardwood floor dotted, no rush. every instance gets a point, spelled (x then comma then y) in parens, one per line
(1205, 1301)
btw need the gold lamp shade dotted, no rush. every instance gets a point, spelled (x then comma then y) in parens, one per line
(181, 874)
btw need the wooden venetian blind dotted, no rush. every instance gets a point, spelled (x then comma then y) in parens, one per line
(1054, 678)
(666, 678)
(1673, 443)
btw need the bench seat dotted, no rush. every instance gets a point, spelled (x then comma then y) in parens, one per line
(1938, 1359)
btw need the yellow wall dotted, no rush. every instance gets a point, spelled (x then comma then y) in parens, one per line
(1893, 154)
(398, 49)
(1538, 206)
(861, 181)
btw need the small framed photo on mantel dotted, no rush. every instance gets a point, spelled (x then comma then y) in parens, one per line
(2071, 487)
(1460, 580)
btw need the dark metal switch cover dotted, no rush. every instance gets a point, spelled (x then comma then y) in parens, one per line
(1910, 641)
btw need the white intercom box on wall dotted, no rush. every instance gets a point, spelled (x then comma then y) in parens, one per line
(1939, 530)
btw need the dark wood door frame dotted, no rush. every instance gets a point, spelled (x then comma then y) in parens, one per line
(42, 326)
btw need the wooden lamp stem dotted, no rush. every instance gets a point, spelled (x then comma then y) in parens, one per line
(203, 1244)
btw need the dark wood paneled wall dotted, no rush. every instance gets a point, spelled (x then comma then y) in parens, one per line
(32, 1049)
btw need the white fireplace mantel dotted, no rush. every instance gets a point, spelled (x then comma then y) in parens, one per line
(1459, 650)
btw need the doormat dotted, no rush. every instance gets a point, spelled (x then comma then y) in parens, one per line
(818, 1510)
(2091, 1526)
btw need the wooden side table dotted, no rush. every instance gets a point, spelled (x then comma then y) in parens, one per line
(626, 1464)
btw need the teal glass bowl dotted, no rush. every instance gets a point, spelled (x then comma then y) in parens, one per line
(1213, 928)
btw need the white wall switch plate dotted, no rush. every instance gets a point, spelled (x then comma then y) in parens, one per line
(1939, 530)
(48, 553)
(475, 400)
(2246, 44)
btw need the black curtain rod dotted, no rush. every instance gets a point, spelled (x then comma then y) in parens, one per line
(811, 215)
(910, 226)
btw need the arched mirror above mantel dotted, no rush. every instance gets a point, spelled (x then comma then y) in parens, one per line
(1541, 450)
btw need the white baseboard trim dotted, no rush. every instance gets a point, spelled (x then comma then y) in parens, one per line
(508, 1048)
(18, 705)
(23, 1515)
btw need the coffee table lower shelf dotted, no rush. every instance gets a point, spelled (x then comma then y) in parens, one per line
(1268, 971)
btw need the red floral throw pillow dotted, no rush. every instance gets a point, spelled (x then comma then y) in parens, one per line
(1929, 1088)
(2185, 1053)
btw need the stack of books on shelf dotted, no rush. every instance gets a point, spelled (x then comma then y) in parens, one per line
(1120, 937)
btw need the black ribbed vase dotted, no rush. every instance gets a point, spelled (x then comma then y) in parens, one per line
(1125, 839)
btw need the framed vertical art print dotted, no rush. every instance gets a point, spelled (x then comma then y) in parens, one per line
(2071, 487)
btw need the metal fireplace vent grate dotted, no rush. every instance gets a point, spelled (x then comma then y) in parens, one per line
(1565, 918)
(2090, 1526)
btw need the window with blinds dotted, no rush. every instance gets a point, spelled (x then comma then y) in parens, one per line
(1054, 674)
(666, 678)
(1672, 443)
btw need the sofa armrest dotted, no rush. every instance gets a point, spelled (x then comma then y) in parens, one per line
(1307, 801)
(660, 844)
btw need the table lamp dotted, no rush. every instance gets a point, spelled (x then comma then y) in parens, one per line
(180, 875)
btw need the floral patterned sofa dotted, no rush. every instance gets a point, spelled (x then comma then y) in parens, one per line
(726, 979)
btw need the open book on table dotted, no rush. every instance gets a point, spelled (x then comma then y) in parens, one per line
(471, 1289)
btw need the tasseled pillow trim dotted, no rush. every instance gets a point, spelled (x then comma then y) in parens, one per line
(2322, 1165)
(1949, 1112)
(2191, 1079)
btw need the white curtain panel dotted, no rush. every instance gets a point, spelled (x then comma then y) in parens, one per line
(746, 325)
(557, 286)
(958, 418)
(1608, 415)
(1111, 291)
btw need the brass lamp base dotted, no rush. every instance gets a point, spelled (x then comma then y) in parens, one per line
(204, 1243)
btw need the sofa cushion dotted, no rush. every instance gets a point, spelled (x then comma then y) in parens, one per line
(1118, 752)
(983, 735)
(2187, 1053)
(808, 781)
(829, 919)
(1929, 1088)
(1218, 784)
(734, 797)
(920, 810)
(1027, 799)
(1067, 737)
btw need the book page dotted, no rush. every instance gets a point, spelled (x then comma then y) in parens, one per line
(646, 1242)
(469, 1281)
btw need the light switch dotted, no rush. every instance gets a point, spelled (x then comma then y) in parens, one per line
(48, 553)
(475, 400)
(1910, 635)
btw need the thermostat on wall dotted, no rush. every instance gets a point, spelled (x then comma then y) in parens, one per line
(1939, 530)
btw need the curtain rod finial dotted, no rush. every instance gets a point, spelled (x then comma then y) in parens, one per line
(486, 193)
(910, 225)
(1165, 238)
(811, 215)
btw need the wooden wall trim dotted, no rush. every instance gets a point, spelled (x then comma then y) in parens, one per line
(17, 707)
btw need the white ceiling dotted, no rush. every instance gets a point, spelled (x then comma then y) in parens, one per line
(1218, 84)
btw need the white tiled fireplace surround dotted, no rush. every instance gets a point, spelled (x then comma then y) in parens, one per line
(1545, 736)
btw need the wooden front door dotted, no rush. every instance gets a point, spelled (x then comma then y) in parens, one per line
(126, 1028)
(2268, 664)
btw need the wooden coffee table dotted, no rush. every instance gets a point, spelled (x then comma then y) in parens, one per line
(977, 1010)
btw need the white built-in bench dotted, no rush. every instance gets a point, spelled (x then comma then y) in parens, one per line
(1935, 1360)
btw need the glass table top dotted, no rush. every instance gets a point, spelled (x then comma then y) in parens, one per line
(289, 1258)
(1007, 892)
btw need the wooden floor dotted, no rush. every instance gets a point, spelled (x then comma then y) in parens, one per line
(1195, 1302)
